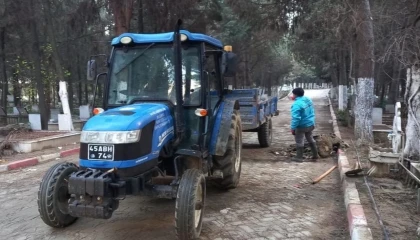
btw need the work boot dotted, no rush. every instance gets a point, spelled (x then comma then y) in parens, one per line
(314, 150)
(299, 155)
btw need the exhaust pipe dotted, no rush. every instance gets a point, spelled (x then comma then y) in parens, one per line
(179, 111)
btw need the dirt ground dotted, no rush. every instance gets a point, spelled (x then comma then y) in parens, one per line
(395, 201)
(20, 156)
(33, 135)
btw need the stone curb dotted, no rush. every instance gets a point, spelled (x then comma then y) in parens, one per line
(356, 218)
(37, 160)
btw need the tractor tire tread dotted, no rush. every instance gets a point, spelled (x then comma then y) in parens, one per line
(264, 137)
(185, 202)
(225, 163)
(47, 189)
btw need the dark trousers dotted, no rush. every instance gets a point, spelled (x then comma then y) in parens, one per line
(302, 133)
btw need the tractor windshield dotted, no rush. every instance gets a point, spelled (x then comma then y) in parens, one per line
(148, 73)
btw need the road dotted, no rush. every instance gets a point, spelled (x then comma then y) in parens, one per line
(275, 199)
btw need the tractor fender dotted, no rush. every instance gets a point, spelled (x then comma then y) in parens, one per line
(221, 127)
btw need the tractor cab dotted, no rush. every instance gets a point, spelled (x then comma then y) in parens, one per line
(143, 69)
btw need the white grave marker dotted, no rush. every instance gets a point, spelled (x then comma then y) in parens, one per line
(377, 116)
(35, 121)
(396, 129)
(84, 112)
(66, 120)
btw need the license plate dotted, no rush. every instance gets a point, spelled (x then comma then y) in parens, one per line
(100, 152)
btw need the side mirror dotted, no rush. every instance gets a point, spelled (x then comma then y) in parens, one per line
(229, 63)
(91, 70)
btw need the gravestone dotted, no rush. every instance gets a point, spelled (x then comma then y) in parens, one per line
(54, 114)
(342, 97)
(396, 129)
(377, 116)
(65, 122)
(35, 121)
(84, 112)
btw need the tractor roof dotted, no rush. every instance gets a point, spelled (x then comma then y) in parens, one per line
(167, 37)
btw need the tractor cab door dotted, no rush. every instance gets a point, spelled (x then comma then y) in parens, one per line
(192, 83)
(204, 94)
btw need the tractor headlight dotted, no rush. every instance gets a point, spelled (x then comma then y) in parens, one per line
(114, 137)
(126, 40)
(184, 37)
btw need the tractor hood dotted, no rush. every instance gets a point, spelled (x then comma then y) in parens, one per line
(127, 118)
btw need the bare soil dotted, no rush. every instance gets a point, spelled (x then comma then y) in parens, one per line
(34, 135)
(21, 156)
(395, 201)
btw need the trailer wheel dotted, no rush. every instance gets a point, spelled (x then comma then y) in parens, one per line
(265, 134)
(53, 196)
(189, 206)
(230, 164)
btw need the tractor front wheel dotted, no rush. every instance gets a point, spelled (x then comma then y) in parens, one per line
(189, 206)
(53, 196)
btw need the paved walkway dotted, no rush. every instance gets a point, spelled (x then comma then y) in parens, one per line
(275, 199)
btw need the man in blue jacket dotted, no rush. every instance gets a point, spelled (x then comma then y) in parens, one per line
(303, 123)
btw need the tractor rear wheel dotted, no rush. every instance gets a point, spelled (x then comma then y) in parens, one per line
(53, 196)
(230, 164)
(265, 134)
(189, 208)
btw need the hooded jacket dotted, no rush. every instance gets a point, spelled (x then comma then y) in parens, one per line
(303, 113)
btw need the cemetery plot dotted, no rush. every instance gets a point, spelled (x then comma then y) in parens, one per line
(34, 135)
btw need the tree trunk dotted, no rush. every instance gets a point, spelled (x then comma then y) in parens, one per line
(122, 10)
(365, 85)
(79, 77)
(412, 98)
(140, 20)
(333, 73)
(395, 83)
(86, 93)
(17, 89)
(3, 72)
(384, 88)
(343, 68)
(247, 82)
(51, 35)
(36, 54)
(402, 82)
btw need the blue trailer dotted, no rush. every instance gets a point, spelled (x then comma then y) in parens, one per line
(257, 110)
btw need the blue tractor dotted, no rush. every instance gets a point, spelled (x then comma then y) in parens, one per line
(167, 124)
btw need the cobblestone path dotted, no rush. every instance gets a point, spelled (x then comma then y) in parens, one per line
(275, 199)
